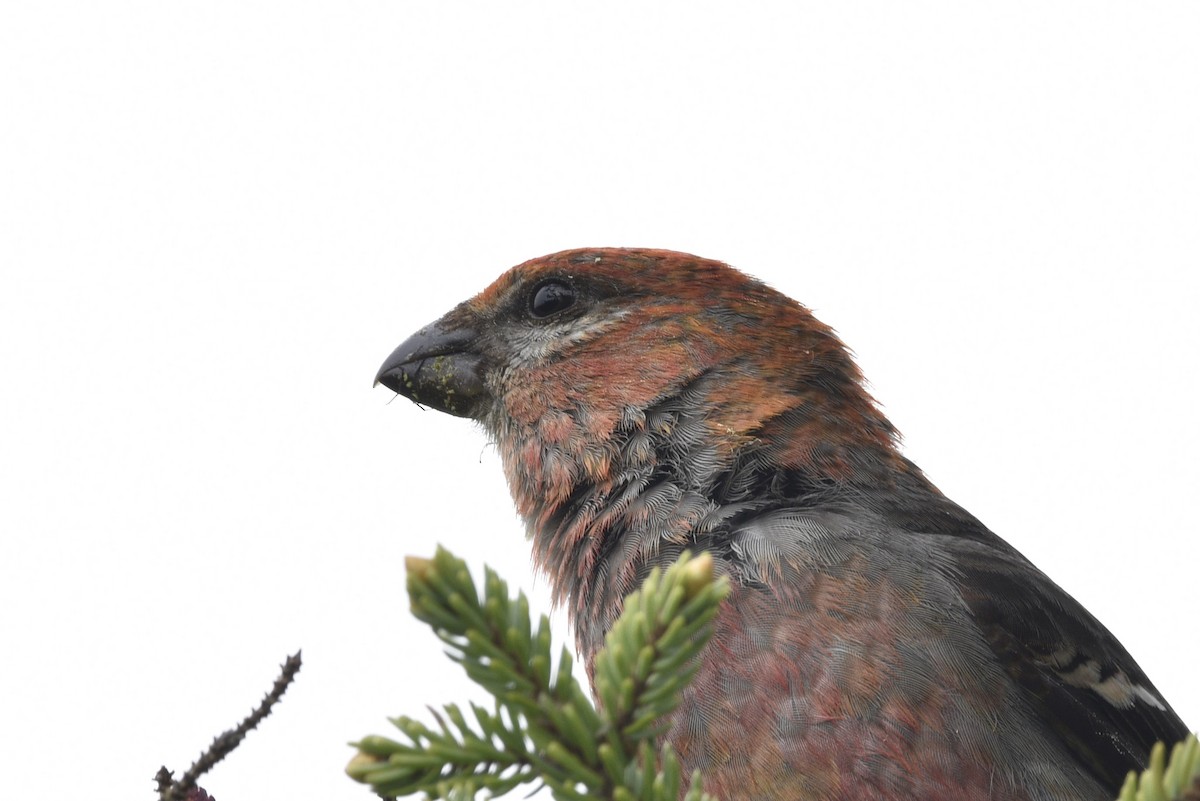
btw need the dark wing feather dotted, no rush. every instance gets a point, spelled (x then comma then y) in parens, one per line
(1073, 669)
(1076, 675)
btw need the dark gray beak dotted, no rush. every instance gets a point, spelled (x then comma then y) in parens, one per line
(436, 367)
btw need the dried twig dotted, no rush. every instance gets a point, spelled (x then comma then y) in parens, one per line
(185, 789)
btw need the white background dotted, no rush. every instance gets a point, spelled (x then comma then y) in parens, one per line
(217, 219)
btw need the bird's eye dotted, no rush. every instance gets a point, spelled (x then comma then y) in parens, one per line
(551, 298)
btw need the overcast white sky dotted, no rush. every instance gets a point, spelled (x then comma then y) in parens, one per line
(217, 219)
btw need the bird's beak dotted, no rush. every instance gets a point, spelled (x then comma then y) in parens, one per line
(437, 367)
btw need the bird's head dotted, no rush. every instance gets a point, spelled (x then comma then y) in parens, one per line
(601, 372)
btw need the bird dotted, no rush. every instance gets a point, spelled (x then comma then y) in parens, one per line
(878, 641)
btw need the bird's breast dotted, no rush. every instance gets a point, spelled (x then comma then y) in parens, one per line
(841, 684)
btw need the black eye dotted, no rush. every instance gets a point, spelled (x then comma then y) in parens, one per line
(550, 298)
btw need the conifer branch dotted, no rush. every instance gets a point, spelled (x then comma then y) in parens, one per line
(542, 727)
(1176, 780)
